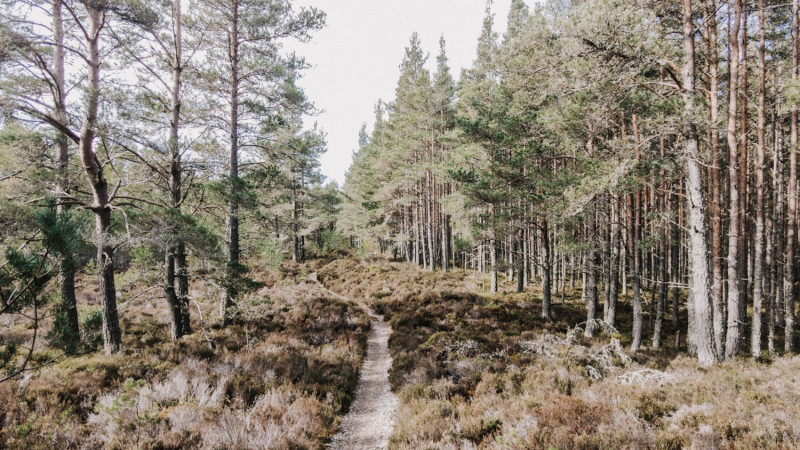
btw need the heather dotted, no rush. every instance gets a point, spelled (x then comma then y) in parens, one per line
(279, 376)
(475, 370)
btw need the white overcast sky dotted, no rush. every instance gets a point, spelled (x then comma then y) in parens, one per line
(356, 57)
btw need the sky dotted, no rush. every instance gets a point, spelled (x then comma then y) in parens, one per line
(355, 59)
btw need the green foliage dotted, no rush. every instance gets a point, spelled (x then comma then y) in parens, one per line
(271, 254)
(7, 354)
(61, 334)
(92, 327)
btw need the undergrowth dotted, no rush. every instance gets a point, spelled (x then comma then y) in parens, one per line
(485, 371)
(279, 377)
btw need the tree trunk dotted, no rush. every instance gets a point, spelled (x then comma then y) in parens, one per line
(231, 293)
(734, 320)
(493, 261)
(633, 261)
(714, 172)
(758, 294)
(591, 268)
(182, 275)
(176, 315)
(546, 296)
(662, 295)
(66, 264)
(445, 244)
(701, 298)
(613, 280)
(745, 283)
(112, 334)
(791, 227)
(674, 259)
(175, 281)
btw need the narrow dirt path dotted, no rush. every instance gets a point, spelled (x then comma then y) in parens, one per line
(370, 421)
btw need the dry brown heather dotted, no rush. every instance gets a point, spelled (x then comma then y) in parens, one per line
(480, 371)
(280, 377)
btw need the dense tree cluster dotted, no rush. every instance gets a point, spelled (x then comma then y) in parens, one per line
(639, 145)
(176, 126)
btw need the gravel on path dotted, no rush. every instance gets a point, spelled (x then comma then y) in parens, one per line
(370, 421)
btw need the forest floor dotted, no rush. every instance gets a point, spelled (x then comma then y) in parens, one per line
(370, 420)
(467, 370)
(280, 376)
(473, 370)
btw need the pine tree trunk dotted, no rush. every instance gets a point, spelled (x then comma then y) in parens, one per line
(791, 227)
(745, 281)
(232, 232)
(591, 268)
(700, 304)
(182, 275)
(112, 334)
(758, 295)
(662, 295)
(633, 261)
(734, 320)
(545, 249)
(66, 264)
(520, 265)
(295, 240)
(493, 261)
(175, 281)
(613, 281)
(445, 244)
(176, 317)
(674, 260)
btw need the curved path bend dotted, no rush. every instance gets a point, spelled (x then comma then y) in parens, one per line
(370, 421)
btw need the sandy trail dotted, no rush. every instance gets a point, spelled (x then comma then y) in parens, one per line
(370, 421)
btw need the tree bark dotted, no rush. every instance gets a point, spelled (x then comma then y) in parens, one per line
(633, 261)
(613, 280)
(546, 295)
(791, 227)
(176, 283)
(232, 231)
(714, 172)
(758, 282)
(701, 298)
(591, 267)
(66, 264)
(112, 334)
(662, 295)
(176, 316)
(734, 320)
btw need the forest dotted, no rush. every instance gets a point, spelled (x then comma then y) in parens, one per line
(588, 239)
